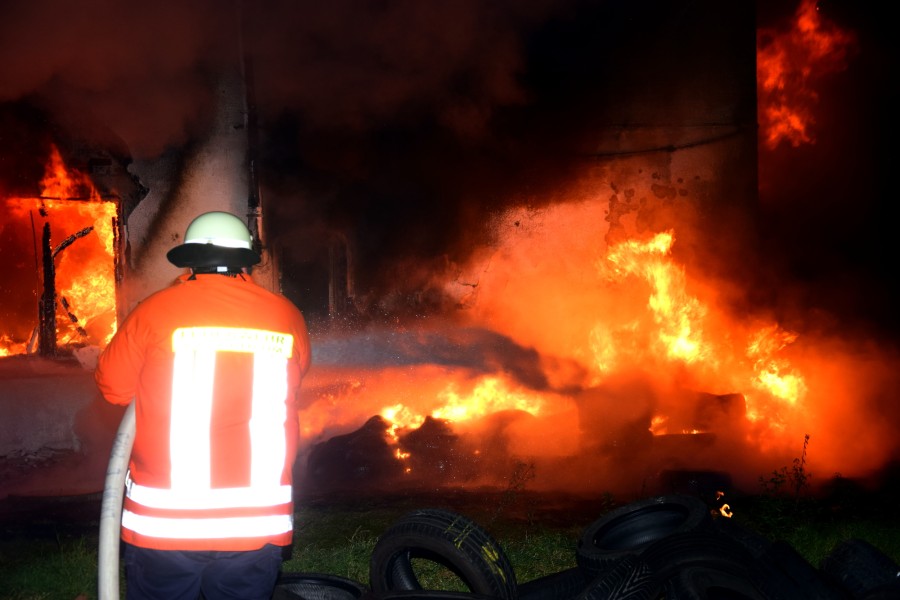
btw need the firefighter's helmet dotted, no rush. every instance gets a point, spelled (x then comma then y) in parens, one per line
(215, 240)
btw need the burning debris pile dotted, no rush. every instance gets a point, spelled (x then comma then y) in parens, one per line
(601, 370)
(662, 331)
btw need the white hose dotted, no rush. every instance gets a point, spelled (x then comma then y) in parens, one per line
(111, 508)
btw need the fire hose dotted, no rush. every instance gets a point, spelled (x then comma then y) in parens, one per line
(111, 508)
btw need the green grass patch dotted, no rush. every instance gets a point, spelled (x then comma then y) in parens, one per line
(46, 569)
(337, 536)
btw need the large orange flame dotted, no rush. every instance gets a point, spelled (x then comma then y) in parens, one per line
(630, 342)
(85, 278)
(676, 314)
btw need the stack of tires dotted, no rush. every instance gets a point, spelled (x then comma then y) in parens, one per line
(666, 547)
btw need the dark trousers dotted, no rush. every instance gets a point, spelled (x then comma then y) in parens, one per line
(185, 575)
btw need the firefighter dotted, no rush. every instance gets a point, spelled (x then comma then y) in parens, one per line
(213, 365)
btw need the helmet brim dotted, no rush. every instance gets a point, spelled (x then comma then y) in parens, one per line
(198, 256)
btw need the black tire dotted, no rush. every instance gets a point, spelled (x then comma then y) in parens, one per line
(317, 586)
(429, 595)
(701, 582)
(629, 579)
(755, 543)
(782, 562)
(890, 591)
(629, 529)
(688, 562)
(444, 538)
(858, 568)
(563, 585)
(806, 581)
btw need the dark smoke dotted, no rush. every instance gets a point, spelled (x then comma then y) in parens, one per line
(480, 350)
(827, 236)
(404, 125)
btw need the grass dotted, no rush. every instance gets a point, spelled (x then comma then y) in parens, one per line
(44, 569)
(53, 559)
(340, 542)
(336, 535)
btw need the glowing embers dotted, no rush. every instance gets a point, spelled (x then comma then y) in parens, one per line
(724, 509)
(58, 249)
(788, 63)
(431, 421)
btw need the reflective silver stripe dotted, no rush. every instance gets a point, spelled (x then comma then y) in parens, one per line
(269, 413)
(219, 528)
(209, 498)
(192, 398)
(233, 339)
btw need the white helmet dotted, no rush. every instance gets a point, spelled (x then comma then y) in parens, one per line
(215, 240)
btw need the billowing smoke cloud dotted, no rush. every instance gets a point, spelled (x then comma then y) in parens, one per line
(371, 112)
(135, 67)
(408, 122)
(824, 202)
(344, 66)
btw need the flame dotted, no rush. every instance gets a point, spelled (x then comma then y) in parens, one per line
(84, 268)
(773, 374)
(490, 395)
(400, 417)
(58, 182)
(454, 396)
(724, 507)
(676, 314)
(788, 64)
(637, 309)
(775, 377)
(9, 347)
(643, 311)
(630, 345)
(679, 320)
(678, 323)
(658, 425)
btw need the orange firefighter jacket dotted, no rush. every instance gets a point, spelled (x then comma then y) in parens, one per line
(214, 365)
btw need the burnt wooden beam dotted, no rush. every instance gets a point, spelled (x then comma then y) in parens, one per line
(47, 307)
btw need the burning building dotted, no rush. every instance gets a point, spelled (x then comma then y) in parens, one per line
(583, 298)
(81, 240)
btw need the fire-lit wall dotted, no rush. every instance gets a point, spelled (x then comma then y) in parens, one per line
(674, 142)
(215, 175)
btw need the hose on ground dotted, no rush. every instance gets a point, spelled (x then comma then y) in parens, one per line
(111, 508)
